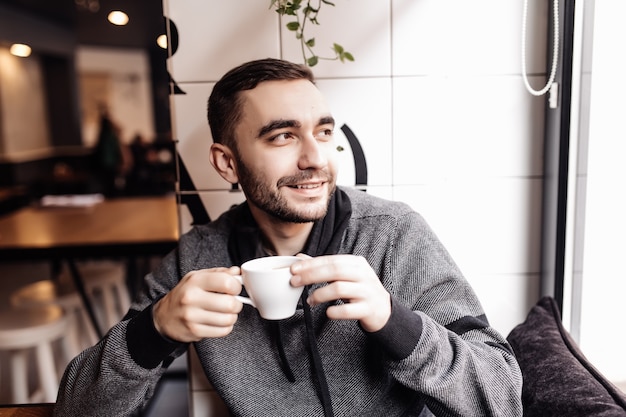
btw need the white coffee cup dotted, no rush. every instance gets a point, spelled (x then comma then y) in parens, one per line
(267, 283)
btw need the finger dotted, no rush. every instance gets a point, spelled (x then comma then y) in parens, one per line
(330, 268)
(208, 318)
(219, 280)
(372, 316)
(213, 302)
(201, 331)
(338, 290)
(296, 282)
(233, 270)
(348, 311)
(208, 324)
(188, 315)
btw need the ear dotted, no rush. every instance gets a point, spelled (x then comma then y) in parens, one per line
(223, 160)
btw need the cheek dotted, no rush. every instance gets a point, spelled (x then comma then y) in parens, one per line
(332, 156)
(266, 169)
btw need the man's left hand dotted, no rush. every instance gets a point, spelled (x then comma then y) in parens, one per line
(351, 279)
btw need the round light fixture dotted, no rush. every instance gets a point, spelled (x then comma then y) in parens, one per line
(21, 50)
(162, 41)
(118, 18)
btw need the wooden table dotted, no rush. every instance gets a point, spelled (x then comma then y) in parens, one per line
(142, 225)
(27, 410)
(124, 227)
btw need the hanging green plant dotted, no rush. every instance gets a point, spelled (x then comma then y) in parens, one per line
(304, 13)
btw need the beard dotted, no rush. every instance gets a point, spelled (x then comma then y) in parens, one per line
(258, 192)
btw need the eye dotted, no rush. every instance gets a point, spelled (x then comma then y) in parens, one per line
(325, 134)
(281, 137)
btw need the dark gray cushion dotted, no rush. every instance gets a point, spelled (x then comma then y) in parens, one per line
(558, 379)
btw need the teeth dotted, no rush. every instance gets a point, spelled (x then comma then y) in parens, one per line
(308, 186)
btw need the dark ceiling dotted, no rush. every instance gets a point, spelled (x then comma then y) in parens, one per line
(88, 18)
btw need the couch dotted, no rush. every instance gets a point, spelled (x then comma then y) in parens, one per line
(558, 379)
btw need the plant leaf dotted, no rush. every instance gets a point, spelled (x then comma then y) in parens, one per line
(303, 13)
(293, 26)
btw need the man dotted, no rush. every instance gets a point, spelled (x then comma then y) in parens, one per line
(387, 326)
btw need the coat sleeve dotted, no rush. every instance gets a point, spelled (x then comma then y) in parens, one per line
(438, 341)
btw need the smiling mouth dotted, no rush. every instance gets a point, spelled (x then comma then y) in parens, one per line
(305, 186)
(306, 180)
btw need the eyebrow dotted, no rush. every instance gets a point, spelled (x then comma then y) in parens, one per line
(282, 123)
(277, 124)
(327, 120)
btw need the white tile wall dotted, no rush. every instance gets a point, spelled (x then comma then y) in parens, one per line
(216, 35)
(504, 312)
(465, 126)
(194, 136)
(480, 37)
(215, 202)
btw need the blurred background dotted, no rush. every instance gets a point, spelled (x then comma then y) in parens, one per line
(522, 188)
(86, 81)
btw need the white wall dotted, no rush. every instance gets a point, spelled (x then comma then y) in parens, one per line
(24, 127)
(436, 99)
(130, 93)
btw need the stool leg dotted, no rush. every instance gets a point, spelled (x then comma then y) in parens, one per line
(78, 283)
(70, 343)
(47, 371)
(19, 376)
(123, 298)
(110, 312)
(89, 336)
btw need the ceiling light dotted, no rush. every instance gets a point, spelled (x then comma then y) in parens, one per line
(118, 18)
(162, 41)
(21, 50)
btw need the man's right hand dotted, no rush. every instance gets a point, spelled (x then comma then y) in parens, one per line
(201, 305)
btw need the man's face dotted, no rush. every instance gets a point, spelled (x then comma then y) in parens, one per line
(286, 155)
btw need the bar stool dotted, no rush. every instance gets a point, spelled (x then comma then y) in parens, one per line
(21, 331)
(105, 282)
(81, 333)
(106, 289)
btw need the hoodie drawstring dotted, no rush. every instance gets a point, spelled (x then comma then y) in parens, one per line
(319, 376)
(284, 362)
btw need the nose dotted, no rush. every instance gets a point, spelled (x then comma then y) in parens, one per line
(312, 154)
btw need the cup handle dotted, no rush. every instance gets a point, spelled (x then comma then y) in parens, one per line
(244, 300)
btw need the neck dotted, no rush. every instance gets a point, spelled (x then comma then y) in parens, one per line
(282, 238)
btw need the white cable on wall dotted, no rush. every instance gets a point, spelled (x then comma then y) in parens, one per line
(555, 50)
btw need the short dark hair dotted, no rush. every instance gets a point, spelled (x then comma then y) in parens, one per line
(224, 106)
